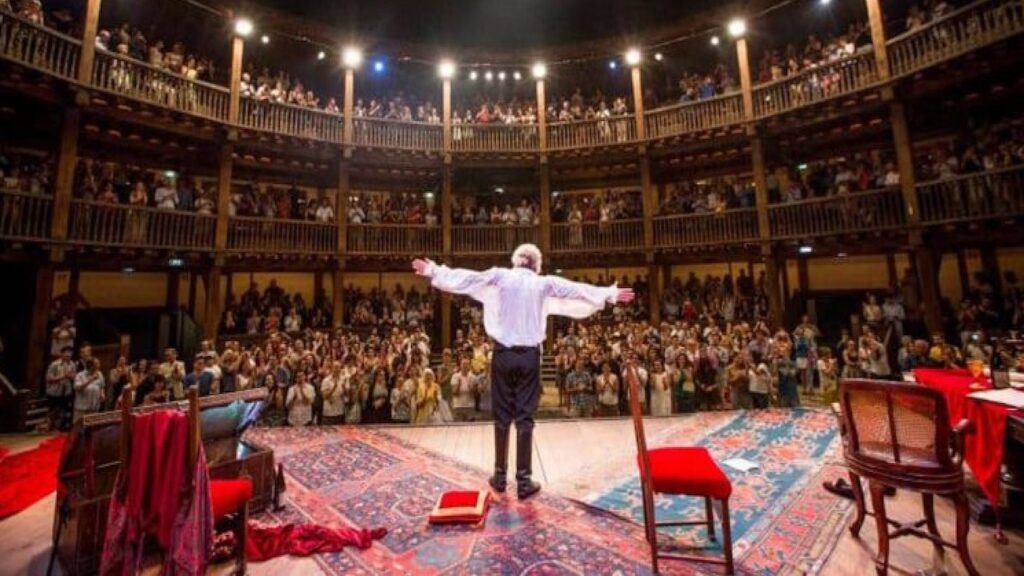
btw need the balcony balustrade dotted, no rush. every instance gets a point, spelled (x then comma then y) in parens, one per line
(698, 116)
(985, 195)
(495, 137)
(25, 216)
(613, 236)
(491, 239)
(123, 225)
(390, 239)
(592, 133)
(291, 120)
(726, 227)
(839, 214)
(272, 236)
(38, 47)
(377, 133)
(820, 82)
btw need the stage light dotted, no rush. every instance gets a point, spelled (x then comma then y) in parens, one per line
(171, 174)
(499, 190)
(243, 27)
(715, 40)
(539, 70)
(351, 57)
(633, 57)
(501, 75)
(806, 249)
(473, 75)
(428, 195)
(658, 56)
(841, 255)
(378, 66)
(826, 2)
(176, 262)
(488, 75)
(265, 39)
(612, 65)
(737, 27)
(517, 75)
(801, 167)
(446, 69)
(321, 55)
(128, 270)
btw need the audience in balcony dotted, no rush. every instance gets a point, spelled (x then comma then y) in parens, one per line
(470, 210)
(604, 206)
(129, 41)
(32, 174)
(112, 183)
(710, 195)
(694, 87)
(257, 200)
(816, 53)
(920, 15)
(404, 208)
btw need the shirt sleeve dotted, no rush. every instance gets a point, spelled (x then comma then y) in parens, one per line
(460, 280)
(576, 299)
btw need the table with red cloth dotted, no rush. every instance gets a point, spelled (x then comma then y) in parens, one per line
(983, 448)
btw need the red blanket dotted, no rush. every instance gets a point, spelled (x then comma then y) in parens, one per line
(28, 477)
(266, 542)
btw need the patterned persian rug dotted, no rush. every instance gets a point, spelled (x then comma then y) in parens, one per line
(783, 521)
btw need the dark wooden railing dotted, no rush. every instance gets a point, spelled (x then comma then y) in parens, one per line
(820, 82)
(727, 227)
(839, 214)
(385, 239)
(377, 133)
(272, 236)
(297, 121)
(491, 238)
(616, 235)
(137, 80)
(696, 116)
(97, 223)
(592, 133)
(495, 137)
(985, 195)
(38, 47)
(968, 28)
(25, 216)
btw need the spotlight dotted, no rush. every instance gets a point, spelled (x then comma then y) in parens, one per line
(633, 57)
(473, 75)
(176, 262)
(265, 39)
(446, 69)
(378, 66)
(517, 76)
(428, 195)
(612, 64)
(715, 40)
(501, 75)
(658, 56)
(128, 270)
(826, 2)
(243, 27)
(351, 57)
(841, 255)
(488, 75)
(321, 55)
(737, 27)
(806, 249)
(540, 70)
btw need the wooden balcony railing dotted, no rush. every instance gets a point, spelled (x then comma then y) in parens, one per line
(38, 47)
(841, 214)
(377, 133)
(384, 239)
(491, 238)
(592, 133)
(271, 236)
(617, 235)
(728, 227)
(495, 137)
(123, 225)
(985, 195)
(291, 120)
(24, 216)
(815, 84)
(968, 28)
(140, 81)
(695, 116)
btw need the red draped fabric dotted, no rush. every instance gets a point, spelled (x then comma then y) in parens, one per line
(28, 477)
(983, 450)
(266, 542)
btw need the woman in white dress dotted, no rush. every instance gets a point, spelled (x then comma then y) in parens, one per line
(661, 390)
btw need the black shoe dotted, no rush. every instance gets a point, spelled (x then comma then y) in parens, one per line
(499, 485)
(840, 488)
(527, 489)
(498, 481)
(524, 464)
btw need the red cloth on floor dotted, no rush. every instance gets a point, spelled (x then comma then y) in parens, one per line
(266, 542)
(983, 450)
(28, 477)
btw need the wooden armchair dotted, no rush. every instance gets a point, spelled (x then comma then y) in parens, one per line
(898, 435)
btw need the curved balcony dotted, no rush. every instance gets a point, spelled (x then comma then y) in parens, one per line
(291, 120)
(39, 47)
(987, 195)
(491, 239)
(268, 236)
(495, 137)
(613, 236)
(122, 225)
(591, 133)
(727, 227)
(394, 239)
(815, 84)
(378, 133)
(25, 216)
(873, 210)
(696, 116)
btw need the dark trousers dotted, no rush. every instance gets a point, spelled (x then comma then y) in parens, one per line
(515, 378)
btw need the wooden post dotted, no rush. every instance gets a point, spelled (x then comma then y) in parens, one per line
(772, 284)
(961, 269)
(650, 204)
(87, 55)
(211, 322)
(876, 19)
(760, 188)
(192, 278)
(38, 349)
(338, 300)
(173, 290)
(224, 172)
(341, 213)
(803, 277)
(446, 115)
(234, 102)
(746, 86)
(348, 105)
(638, 104)
(544, 177)
(990, 266)
(64, 182)
(446, 207)
(891, 272)
(654, 281)
(446, 320)
(927, 272)
(542, 117)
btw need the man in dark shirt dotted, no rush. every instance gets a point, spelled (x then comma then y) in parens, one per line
(199, 377)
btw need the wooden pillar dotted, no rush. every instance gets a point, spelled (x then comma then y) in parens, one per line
(348, 106)
(224, 174)
(892, 273)
(341, 204)
(87, 53)
(38, 349)
(773, 285)
(876, 20)
(803, 276)
(211, 321)
(746, 85)
(235, 88)
(446, 320)
(338, 299)
(64, 182)
(760, 188)
(961, 269)
(927, 272)
(990, 266)
(905, 162)
(173, 290)
(446, 115)
(542, 117)
(446, 207)
(544, 178)
(638, 104)
(650, 204)
(654, 283)
(192, 278)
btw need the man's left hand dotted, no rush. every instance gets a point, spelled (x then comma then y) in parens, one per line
(625, 296)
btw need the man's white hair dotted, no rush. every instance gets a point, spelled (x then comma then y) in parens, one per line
(527, 256)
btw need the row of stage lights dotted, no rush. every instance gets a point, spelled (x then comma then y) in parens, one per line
(352, 56)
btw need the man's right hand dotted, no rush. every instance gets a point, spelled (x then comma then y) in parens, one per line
(625, 296)
(423, 267)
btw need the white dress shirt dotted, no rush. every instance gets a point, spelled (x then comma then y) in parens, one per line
(518, 301)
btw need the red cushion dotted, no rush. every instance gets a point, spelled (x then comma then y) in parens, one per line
(689, 471)
(229, 495)
(461, 507)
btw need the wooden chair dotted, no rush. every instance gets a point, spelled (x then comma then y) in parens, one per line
(899, 435)
(685, 471)
(229, 498)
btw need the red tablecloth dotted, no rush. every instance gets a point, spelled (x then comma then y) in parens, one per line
(983, 450)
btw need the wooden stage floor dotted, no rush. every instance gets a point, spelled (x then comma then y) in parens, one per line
(563, 449)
